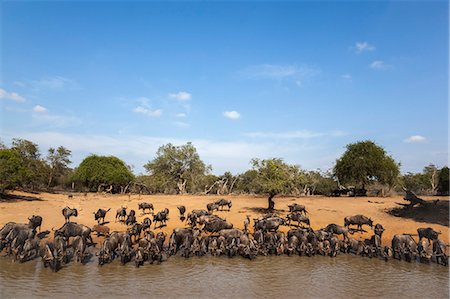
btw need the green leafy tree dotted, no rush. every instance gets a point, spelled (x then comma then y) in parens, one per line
(273, 177)
(365, 162)
(35, 168)
(178, 167)
(11, 170)
(247, 182)
(443, 182)
(58, 161)
(97, 171)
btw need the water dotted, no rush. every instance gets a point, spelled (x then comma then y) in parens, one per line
(221, 277)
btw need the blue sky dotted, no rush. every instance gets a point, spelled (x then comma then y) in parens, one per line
(296, 80)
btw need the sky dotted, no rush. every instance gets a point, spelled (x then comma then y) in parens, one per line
(240, 80)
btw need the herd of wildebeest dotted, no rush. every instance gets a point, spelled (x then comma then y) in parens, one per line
(205, 233)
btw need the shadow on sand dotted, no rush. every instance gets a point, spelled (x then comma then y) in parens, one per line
(16, 198)
(437, 214)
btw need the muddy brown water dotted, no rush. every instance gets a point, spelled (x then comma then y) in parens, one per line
(207, 277)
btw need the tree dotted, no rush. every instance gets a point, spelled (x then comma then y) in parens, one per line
(443, 182)
(97, 171)
(365, 162)
(11, 170)
(58, 161)
(273, 177)
(35, 169)
(431, 174)
(178, 167)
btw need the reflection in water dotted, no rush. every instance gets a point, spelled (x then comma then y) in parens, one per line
(278, 276)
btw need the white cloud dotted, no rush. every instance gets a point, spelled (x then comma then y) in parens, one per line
(232, 115)
(148, 112)
(181, 115)
(279, 72)
(40, 109)
(380, 65)
(347, 77)
(415, 139)
(363, 46)
(182, 124)
(300, 134)
(181, 96)
(11, 96)
(56, 83)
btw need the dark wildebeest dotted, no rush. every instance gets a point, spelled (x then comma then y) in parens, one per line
(30, 250)
(439, 252)
(131, 218)
(101, 214)
(145, 206)
(146, 223)
(337, 229)
(109, 246)
(358, 220)
(297, 217)
(379, 229)
(194, 214)
(297, 208)
(267, 225)
(72, 229)
(216, 225)
(181, 236)
(79, 249)
(182, 210)
(161, 217)
(404, 245)
(68, 212)
(34, 222)
(121, 214)
(16, 239)
(50, 257)
(223, 202)
(135, 231)
(212, 207)
(427, 233)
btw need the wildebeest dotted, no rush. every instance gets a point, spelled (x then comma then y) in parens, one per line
(100, 214)
(34, 222)
(181, 236)
(145, 206)
(79, 249)
(161, 217)
(337, 229)
(217, 225)
(378, 230)
(68, 212)
(427, 233)
(403, 245)
(135, 231)
(121, 214)
(268, 224)
(50, 257)
(30, 250)
(297, 217)
(358, 220)
(212, 207)
(101, 230)
(439, 252)
(297, 208)
(131, 218)
(146, 223)
(223, 202)
(73, 229)
(182, 210)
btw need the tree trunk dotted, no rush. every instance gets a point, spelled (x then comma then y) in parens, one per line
(181, 186)
(271, 202)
